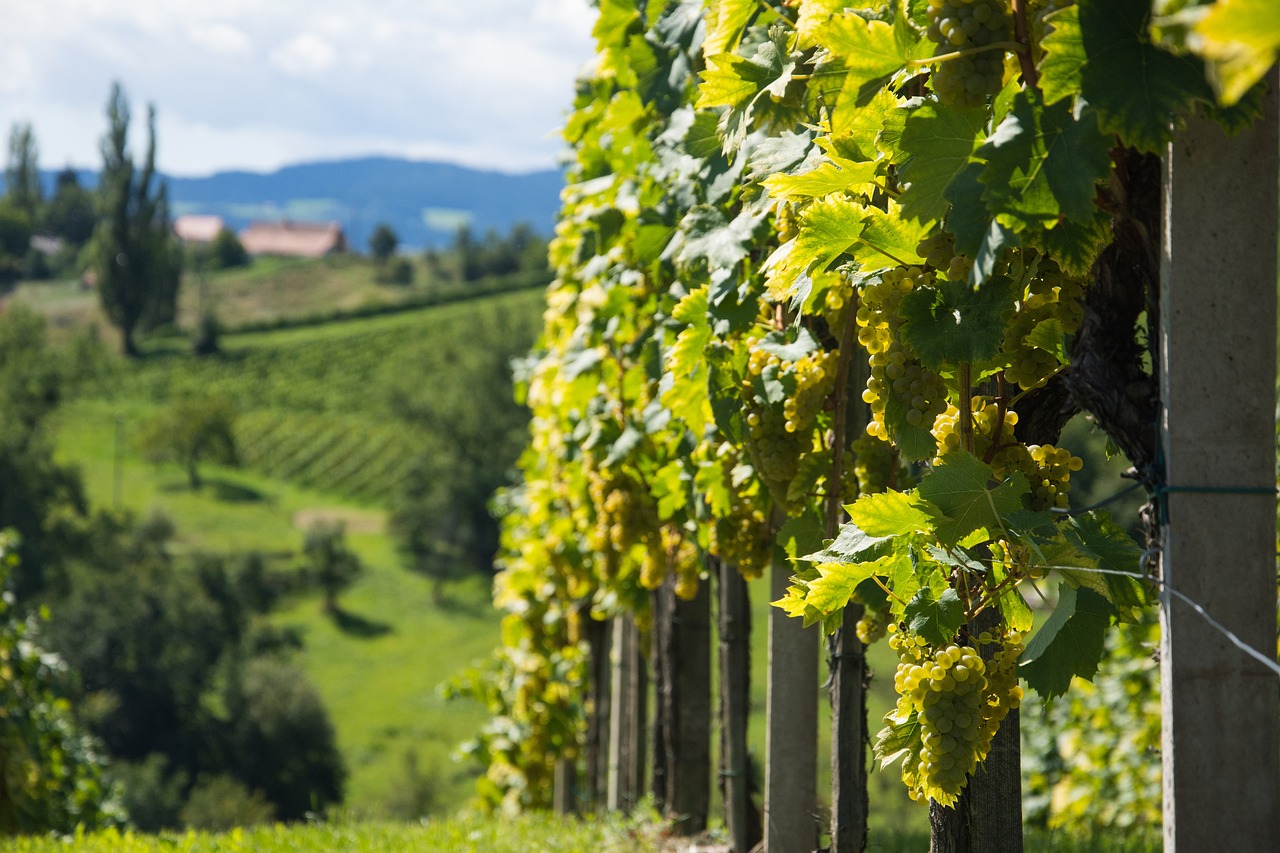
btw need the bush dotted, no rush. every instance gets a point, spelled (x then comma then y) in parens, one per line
(151, 793)
(221, 803)
(398, 271)
(282, 741)
(333, 565)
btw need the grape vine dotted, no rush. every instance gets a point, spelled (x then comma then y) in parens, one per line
(762, 197)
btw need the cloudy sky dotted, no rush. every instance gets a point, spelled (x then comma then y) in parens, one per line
(258, 84)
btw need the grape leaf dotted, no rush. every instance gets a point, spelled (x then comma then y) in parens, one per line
(1070, 642)
(801, 534)
(617, 17)
(776, 344)
(1111, 548)
(891, 514)
(936, 617)
(830, 176)
(897, 739)
(887, 239)
(1049, 336)
(1241, 40)
(941, 140)
(959, 486)
(836, 582)
(968, 219)
(684, 383)
(952, 323)
(1103, 53)
(869, 49)
(828, 228)
(852, 545)
(1043, 163)
(725, 21)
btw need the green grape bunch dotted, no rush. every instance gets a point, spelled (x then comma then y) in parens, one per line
(780, 435)
(958, 699)
(895, 370)
(959, 26)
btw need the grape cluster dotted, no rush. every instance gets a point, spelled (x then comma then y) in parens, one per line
(960, 25)
(959, 700)
(873, 625)
(624, 515)
(1050, 295)
(1051, 478)
(894, 369)
(875, 462)
(779, 436)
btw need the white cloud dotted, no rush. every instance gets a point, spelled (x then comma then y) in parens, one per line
(304, 55)
(221, 38)
(251, 84)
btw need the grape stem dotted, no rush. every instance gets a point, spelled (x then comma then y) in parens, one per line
(960, 54)
(839, 424)
(966, 406)
(1040, 383)
(1022, 35)
(1001, 408)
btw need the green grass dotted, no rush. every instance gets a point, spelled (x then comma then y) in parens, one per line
(474, 834)
(379, 676)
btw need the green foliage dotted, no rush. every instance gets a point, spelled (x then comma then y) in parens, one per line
(383, 242)
(226, 251)
(51, 770)
(15, 237)
(283, 740)
(221, 803)
(190, 431)
(136, 259)
(42, 500)
(329, 561)
(70, 214)
(802, 173)
(22, 187)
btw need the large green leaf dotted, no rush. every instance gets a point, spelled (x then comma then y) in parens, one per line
(1044, 163)
(725, 21)
(1070, 642)
(952, 323)
(836, 582)
(960, 486)
(935, 616)
(869, 49)
(888, 240)
(940, 140)
(1241, 40)
(891, 514)
(1103, 53)
(853, 545)
(828, 228)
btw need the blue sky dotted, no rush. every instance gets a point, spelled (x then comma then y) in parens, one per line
(258, 84)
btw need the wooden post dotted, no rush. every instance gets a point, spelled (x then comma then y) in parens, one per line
(684, 654)
(791, 737)
(599, 636)
(735, 707)
(1221, 708)
(626, 724)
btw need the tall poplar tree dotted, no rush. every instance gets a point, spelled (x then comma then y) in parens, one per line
(134, 254)
(22, 172)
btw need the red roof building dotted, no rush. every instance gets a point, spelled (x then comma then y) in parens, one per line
(197, 228)
(293, 239)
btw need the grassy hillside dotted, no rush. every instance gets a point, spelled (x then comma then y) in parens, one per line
(379, 664)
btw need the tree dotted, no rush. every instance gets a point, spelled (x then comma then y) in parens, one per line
(15, 238)
(136, 258)
(22, 173)
(50, 768)
(70, 214)
(226, 251)
(334, 566)
(383, 243)
(192, 430)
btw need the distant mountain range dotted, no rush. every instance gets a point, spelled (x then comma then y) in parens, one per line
(424, 202)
